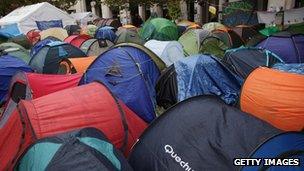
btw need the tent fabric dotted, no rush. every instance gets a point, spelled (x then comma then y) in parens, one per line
(115, 23)
(128, 36)
(93, 47)
(159, 29)
(21, 40)
(287, 144)
(168, 51)
(77, 150)
(77, 40)
(242, 61)
(213, 26)
(78, 105)
(105, 34)
(33, 36)
(291, 68)
(89, 30)
(200, 133)
(76, 65)
(245, 32)
(130, 74)
(44, 25)
(73, 29)
(25, 17)
(268, 31)
(15, 50)
(39, 45)
(203, 75)
(9, 31)
(48, 58)
(9, 66)
(58, 33)
(191, 40)
(84, 17)
(296, 28)
(276, 97)
(293, 51)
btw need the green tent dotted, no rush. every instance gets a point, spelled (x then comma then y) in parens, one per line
(21, 40)
(128, 36)
(192, 39)
(16, 50)
(268, 31)
(296, 28)
(159, 29)
(213, 26)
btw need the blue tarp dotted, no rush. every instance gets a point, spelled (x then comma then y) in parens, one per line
(41, 44)
(131, 75)
(10, 31)
(204, 75)
(292, 68)
(289, 144)
(105, 34)
(8, 67)
(44, 25)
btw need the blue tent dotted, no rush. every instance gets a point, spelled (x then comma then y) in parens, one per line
(41, 44)
(292, 68)
(8, 67)
(10, 31)
(202, 75)
(287, 145)
(130, 74)
(105, 34)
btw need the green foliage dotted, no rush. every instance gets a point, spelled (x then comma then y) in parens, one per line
(174, 9)
(9, 5)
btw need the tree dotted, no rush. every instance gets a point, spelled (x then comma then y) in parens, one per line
(9, 5)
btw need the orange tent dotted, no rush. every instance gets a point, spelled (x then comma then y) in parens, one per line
(76, 65)
(276, 97)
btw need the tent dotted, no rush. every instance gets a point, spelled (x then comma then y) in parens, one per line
(93, 47)
(242, 61)
(293, 51)
(131, 74)
(115, 23)
(26, 17)
(30, 86)
(41, 44)
(75, 65)
(296, 28)
(128, 36)
(73, 29)
(84, 149)
(21, 40)
(9, 66)
(291, 68)
(168, 51)
(77, 40)
(104, 33)
(58, 33)
(33, 36)
(219, 41)
(191, 40)
(246, 32)
(286, 145)
(201, 133)
(47, 59)
(276, 97)
(89, 30)
(200, 75)
(84, 17)
(159, 29)
(64, 111)
(268, 31)
(9, 31)
(213, 26)
(15, 50)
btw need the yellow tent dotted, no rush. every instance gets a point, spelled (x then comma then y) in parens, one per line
(58, 33)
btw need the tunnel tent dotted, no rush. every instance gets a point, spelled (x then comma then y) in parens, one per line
(184, 134)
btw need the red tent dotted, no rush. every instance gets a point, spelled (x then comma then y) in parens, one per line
(91, 105)
(77, 40)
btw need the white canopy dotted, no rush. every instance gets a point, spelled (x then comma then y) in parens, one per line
(84, 17)
(168, 51)
(26, 17)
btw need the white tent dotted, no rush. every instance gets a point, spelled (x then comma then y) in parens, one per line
(168, 51)
(84, 17)
(26, 17)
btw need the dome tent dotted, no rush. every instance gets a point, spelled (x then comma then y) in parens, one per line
(168, 51)
(159, 29)
(73, 29)
(105, 33)
(41, 44)
(48, 58)
(77, 40)
(291, 68)
(131, 74)
(75, 65)
(125, 35)
(242, 61)
(293, 51)
(78, 150)
(102, 22)
(46, 117)
(15, 50)
(213, 26)
(93, 47)
(56, 32)
(276, 97)
(246, 32)
(201, 133)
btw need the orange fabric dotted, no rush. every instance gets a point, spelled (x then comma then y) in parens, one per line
(82, 64)
(128, 26)
(276, 97)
